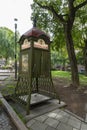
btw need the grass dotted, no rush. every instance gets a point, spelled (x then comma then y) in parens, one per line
(61, 74)
(83, 79)
(67, 75)
(8, 90)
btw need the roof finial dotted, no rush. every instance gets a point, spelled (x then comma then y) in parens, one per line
(34, 22)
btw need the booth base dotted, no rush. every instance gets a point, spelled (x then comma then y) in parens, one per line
(35, 98)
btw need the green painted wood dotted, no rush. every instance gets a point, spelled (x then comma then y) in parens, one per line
(37, 77)
(31, 75)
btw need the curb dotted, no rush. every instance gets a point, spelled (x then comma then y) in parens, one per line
(16, 120)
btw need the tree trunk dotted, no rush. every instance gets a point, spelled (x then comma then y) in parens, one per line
(6, 60)
(72, 57)
(85, 57)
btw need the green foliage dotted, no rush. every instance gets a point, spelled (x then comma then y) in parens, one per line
(76, 2)
(80, 57)
(6, 43)
(80, 22)
(59, 58)
(47, 22)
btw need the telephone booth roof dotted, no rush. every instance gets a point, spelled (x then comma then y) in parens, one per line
(35, 33)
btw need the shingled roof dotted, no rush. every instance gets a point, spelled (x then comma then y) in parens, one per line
(35, 33)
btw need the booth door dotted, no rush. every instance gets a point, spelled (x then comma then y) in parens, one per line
(37, 63)
(41, 63)
(45, 63)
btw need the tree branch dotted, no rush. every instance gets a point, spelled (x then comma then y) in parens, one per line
(80, 5)
(71, 16)
(55, 14)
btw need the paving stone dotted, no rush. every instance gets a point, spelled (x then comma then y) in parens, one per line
(52, 114)
(38, 126)
(86, 118)
(29, 123)
(63, 126)
(74, 115)
(75, 129)
(63, 119)
(41, 118)
(52, 122)
(57, 111)
(50, 128)
(74, 122)
(74, 118)
(62, 113)
(62, 116)
(83, 126)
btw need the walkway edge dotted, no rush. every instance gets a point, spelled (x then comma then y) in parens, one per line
(16, 120)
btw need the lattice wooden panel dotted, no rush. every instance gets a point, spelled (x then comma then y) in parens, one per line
(22, 86)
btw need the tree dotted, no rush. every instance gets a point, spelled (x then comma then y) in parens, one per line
(80, 28)
(6, 43)
(65, 12)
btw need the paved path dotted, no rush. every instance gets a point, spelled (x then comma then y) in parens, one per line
(57, 120)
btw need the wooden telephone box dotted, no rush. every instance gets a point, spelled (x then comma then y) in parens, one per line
(34, 66)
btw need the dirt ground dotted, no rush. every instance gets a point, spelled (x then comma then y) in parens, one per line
(76, 99)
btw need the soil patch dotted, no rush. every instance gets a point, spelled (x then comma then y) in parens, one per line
(76, 100)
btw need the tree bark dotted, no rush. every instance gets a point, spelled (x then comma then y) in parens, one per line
(71, 55)
(85, 57)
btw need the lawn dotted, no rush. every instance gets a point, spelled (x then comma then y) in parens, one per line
(67, 75)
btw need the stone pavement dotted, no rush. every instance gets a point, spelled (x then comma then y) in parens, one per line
(57, 120)
(5, 121)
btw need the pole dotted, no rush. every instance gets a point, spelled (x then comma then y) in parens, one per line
(15, 47)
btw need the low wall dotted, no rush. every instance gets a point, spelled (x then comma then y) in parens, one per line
(15, 119)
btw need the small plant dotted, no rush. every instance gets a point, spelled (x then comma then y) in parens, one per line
(0, 102)
(20, 115)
